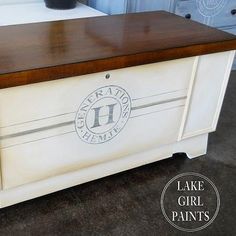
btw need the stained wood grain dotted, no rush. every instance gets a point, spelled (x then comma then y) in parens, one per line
(48, 51)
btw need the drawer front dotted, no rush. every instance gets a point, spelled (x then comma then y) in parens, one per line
(55, 127)
(216, 13)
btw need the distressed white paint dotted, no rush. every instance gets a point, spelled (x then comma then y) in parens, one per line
(41, 151)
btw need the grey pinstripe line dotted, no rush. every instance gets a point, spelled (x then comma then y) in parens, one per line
(38, 139)
(14, 135)
(36, 130)
(30, 121)
(170, 108)
(158, 103)
(159, 94)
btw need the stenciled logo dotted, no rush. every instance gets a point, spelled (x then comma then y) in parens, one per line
(210, 8)
(103, 114)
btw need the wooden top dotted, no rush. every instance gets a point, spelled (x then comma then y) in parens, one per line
(47, 51)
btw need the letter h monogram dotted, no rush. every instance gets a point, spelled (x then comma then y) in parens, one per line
(110, 115)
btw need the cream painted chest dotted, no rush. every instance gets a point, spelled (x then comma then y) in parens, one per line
(87, 98)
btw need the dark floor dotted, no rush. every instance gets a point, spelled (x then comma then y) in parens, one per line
(129, 203)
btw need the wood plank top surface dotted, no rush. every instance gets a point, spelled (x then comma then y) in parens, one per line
(46, 51)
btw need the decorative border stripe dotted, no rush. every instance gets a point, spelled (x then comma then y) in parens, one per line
(37, 130)
(158, 103)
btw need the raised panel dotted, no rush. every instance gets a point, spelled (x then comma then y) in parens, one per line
(207, 93)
